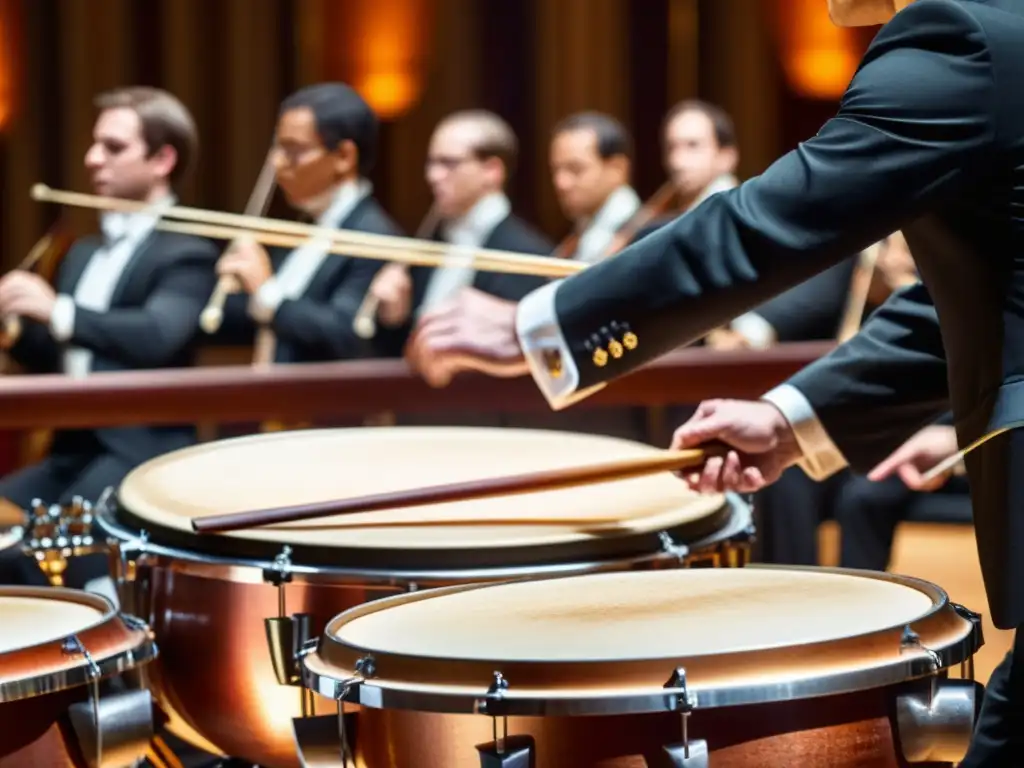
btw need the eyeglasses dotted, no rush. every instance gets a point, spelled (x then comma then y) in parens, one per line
(448, 163)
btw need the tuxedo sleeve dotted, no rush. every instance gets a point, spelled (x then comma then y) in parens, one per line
(324, 328)
(36, 350)
(860, 402)
(155, 333)
(915, 127)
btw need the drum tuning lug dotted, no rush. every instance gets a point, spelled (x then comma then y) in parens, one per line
(280, 572)
(690, 753)
(489, 704)
(678, 551)
(910, 639)
(681, 698)
(504, 751)
(366, 666)
(133, 622)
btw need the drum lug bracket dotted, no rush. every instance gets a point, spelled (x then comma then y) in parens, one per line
(287, 638)
(113, 728)
(690, 753)
(935, 720)
(504, 751)
(670, 547)
(910, 639)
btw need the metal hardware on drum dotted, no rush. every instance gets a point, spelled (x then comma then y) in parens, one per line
(503, 751)
(57, 533)
(967, 665)
(289, 637)
(115, 729)
(935, 721)
(679, 551)
(688, 754)
(910, 639)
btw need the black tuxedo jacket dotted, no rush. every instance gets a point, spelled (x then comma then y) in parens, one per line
(511, 234)
(929, 138)
(152, 323)
(317, 326)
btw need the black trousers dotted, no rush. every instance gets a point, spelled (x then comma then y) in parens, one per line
(999, 733)
(86, 471)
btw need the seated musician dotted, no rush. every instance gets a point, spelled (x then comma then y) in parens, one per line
(701, 155)
(471, 156)
(870, 507)
(128, 299)
(326, 144)
(591, 159)
(591, 164)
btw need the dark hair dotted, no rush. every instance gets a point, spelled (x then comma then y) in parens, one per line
(612, 137)
(341, 114)
(165, 122)
(725, 129)
(497, 139)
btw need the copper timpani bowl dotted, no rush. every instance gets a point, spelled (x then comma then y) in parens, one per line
(61, 651)
(249, 599)
(770, 666)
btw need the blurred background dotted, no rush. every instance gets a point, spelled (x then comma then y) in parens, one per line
(777, 66)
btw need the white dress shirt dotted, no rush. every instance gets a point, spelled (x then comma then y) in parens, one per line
(466, 234)
(123, 233)
(597, 233)
(298, 268)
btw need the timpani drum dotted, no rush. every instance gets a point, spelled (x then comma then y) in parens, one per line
(760, 667)
(230, 611)
(62, 656)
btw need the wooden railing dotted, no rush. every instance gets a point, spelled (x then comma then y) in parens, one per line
(237, 394)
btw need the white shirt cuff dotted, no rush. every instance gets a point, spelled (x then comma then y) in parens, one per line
(755, 329)
(264, 303)
(821, 457)
(546, 351)
(62, 319)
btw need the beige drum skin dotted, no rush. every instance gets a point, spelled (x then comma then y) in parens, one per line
(216, 591)
(785, 667)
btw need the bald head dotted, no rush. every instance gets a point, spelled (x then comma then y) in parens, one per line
(472, 154)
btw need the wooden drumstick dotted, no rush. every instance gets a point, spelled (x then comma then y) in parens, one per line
(364, 324)
(944, 466)
(532, 482)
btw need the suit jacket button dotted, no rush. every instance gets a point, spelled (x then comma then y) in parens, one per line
(629, 340)
(600, 357)
(615, 348)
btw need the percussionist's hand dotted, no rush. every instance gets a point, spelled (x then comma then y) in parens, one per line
(473, 331)
(764, 442)
(920, 453)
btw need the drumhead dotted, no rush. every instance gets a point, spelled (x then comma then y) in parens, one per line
(45, 631)
(740, 634)
(256, 472)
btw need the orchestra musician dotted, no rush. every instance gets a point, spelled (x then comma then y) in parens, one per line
(591, 162)
(472, 155)
(325, 146)
(128, 299)
(929, 139)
